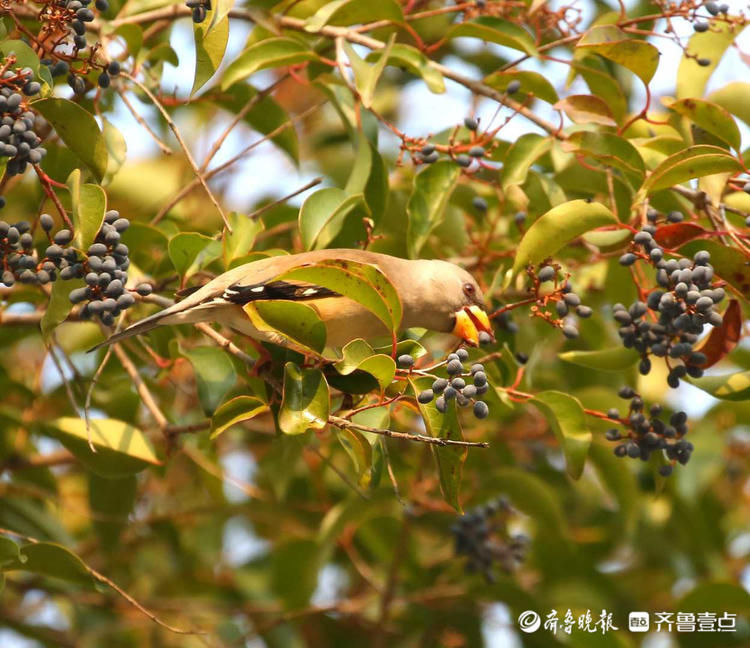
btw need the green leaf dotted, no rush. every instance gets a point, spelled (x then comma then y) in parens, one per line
(59, 306)
(494, 30)
(293, 572)
(710, 117)
(111, 501)
(76, 127)
(117, 148)
(266, 116)
(365, 75)
(362, 282)
(691, 77)
(214, 374)
(692, 162)
(351, 12)
(524, 152)
(565, 416)
(236, 410)
(240, 242)
(532, 84)
(557, 227)
(609, 149)
(296, 321)
(210, 46)
(50, 559)
(269, 53)
(414, 61)
(306, 402)
(25, 55)
(9, 551)
(369, 176)
(602, 84)
(121, 449)
(450, 459)
(733, 97)
(323, 214)
(610, 42)
(429, 198)
(733, 387)
(586, 109)
(89, 203)
(190, 251)
(359, 355)
(614, 359)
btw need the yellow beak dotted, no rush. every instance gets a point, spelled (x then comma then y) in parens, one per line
(469, 322)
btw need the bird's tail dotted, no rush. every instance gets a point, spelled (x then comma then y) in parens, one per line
(143, 326)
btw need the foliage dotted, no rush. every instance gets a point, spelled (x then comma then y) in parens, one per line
(347, 471)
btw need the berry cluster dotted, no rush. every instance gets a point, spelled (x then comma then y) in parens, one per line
(567, 303)
(199, 9)
(482, 536)
(645, 435)
(456, 387)
(76, 15)
(103, 268)
(18, 141)
(679, 310)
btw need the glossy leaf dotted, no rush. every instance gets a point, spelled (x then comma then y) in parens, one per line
(614, 359)
(414, 61)
(602, 84)
(369, 176)
(733, 98)
(210, 45)
(532, 83)
(366, 75)
(269, 53)
(692, 162)
(89, 203)
(610, 42)
(610, 150)
(305, 402)
(691, 77)
(733, 386)
(351, 12)
(494, 30)
(296, 321)
(450, 459)
(121, 449)
(586, 109)
(363, 283)
(722, 339)
(523, 153)
(322, 215)
(558, 227)
(77, 127)
(429, 198)
(358, 355)
(236, 410)
(214, 374)
(59, 306)
(710, 117)
(567, 420)
(242, 238)
(190, 251)
(54, 560)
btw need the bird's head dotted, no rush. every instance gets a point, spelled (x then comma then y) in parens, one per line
(451, 301)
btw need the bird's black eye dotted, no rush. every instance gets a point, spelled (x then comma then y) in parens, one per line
(469, 289)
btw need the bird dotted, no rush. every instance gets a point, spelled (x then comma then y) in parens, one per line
(434, 294)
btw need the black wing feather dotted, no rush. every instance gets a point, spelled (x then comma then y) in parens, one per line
(238, 294)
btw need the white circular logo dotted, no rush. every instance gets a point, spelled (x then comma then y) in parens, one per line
(529, 621)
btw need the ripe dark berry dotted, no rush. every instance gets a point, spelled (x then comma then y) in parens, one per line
(584, 311)
(440, 404)
(462, 355)
(63, 237)
(480, 204)
(484, 338)
(712, 8)
(454, 367)
(481, 410)
(425, 396)
(700, 26)
(470, 391)
(439, 385)
(476, 367)
(626, 392)
(458, 383)
(46, 222)
(547, 273)
(665, 470)
(570, 331)
(406, 360)
(513, 87)
(703, 62)
(480, 379)
(463, 160)
(101, 5)
(449, 393)
(476, 151)
(103, 80)
(521, 357)
(628, 259)
(471, 123)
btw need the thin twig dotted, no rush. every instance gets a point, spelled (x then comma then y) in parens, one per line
(87, 404)
(103, 579)
(225, 343)
(162, 146)
(183, 146)
(141, 387)
(265, 208)
(438, 441)
(64, 379)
